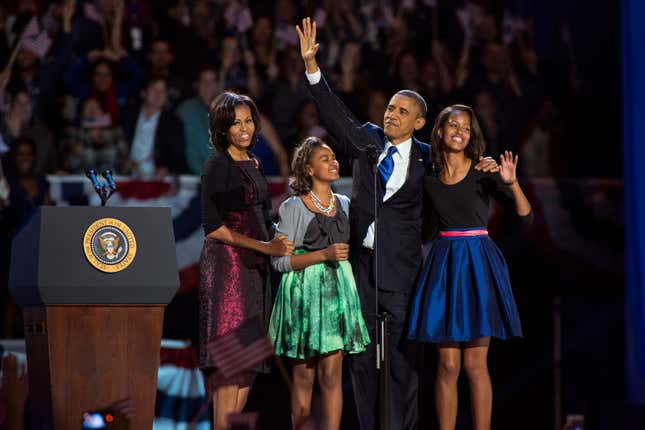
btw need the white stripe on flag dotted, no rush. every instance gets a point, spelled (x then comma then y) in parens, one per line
(180, 382)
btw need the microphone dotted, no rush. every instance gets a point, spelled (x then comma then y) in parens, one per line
(91, 173)
(107, 174)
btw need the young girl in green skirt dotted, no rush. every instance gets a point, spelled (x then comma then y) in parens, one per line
(317, 316)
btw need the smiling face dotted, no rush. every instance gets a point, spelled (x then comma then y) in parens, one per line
(160, 55)
(240, 134)
(402, 117)
(25, 158)
(155, 95)
(455, 133)
(102, 77)
(322, 164)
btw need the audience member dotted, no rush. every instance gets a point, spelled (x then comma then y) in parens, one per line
(155, 136)
(94, 142)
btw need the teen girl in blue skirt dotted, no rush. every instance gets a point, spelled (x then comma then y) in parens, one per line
(464, 293)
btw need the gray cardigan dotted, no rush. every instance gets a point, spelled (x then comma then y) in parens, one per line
(294, 220)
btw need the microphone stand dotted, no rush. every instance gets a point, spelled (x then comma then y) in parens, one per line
(382, 325)
(103, 189)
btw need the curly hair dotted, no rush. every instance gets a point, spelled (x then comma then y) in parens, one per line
(221, 116)
(476, 143)
(300, 181)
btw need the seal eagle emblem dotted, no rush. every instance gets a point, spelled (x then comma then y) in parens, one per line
(109, 245)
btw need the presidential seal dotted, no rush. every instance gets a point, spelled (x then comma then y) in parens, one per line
(109, 245)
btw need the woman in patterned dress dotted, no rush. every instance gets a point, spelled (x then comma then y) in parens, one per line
(234, 267)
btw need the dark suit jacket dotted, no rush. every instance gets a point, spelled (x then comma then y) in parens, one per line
(169, 144)
(400, 217)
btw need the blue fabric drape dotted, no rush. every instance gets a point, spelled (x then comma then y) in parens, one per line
(633, 72)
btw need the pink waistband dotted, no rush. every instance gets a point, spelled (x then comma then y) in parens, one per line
(456, 233)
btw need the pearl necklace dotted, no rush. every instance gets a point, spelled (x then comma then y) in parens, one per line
(319, 205)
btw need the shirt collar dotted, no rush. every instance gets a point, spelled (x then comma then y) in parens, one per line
(402, 149)
(153, 118)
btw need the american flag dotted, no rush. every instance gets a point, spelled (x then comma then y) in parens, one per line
(38, 44)
(241, 349)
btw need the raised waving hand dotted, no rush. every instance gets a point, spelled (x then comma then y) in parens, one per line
(508, 167)
(308, 45)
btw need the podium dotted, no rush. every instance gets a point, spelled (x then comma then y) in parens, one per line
(93, 283)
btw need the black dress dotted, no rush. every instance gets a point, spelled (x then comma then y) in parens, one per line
(234, 282)
(464, 291)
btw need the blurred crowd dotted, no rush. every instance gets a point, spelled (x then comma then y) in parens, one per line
(125, 84)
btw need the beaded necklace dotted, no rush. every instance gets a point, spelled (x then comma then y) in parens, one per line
(319, 205)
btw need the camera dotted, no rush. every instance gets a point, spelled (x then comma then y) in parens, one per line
(96, 420)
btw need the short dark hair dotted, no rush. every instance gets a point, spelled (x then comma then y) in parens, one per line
(221, 116)
(418, 98)
(203, 69)
(300, 181)
(101, 61)
(150, 80)
(476, 143)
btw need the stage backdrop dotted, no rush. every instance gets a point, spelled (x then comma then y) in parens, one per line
(633, 34)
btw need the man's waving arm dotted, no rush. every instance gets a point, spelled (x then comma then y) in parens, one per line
(337, 118)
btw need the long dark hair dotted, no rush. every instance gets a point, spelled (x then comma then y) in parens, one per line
(221, 116)
(476, 143)
(300, 181)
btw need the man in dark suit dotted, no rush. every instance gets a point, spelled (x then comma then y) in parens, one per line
(155, 135)
(402, 162)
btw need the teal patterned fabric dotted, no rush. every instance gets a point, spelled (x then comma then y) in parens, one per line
(317, 311)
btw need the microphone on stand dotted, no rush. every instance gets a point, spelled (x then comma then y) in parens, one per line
(104, 190)
(91, 173)
(107, 174)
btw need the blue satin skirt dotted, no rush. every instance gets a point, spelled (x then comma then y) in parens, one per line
(464, 291)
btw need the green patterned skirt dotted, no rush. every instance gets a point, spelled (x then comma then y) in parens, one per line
(317, 311)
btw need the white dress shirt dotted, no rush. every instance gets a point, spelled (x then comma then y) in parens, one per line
(142, 151)
(314, 78)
